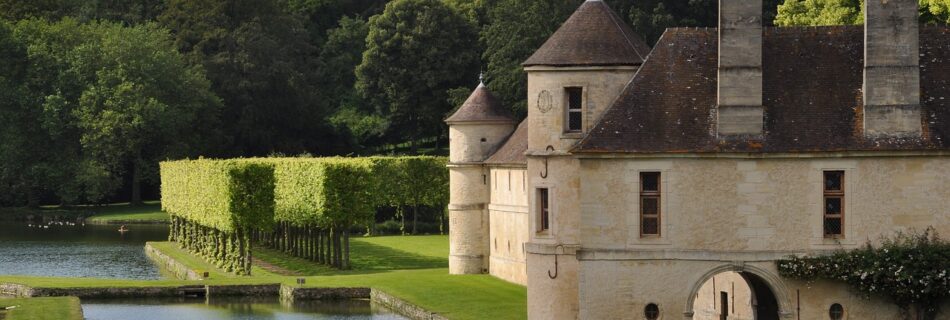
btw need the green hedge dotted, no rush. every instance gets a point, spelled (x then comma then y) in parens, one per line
(214, 204)
(222, 194)
(313, 201)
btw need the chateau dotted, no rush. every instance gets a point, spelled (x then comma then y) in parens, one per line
(664, 182)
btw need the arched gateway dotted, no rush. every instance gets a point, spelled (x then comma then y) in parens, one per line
(765, 294)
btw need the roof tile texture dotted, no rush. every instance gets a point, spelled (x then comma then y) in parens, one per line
(812, 91)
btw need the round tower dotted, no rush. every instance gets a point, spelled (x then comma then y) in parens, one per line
(476, 131)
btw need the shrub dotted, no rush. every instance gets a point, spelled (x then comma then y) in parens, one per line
(912, 269)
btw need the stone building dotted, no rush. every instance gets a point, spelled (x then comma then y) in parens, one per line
(664, 183)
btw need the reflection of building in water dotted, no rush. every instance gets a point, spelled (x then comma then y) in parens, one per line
(664, 183)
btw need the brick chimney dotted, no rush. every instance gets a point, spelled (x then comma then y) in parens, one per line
(891, 69)
(740, 69)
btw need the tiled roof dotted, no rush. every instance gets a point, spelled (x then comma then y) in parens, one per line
(812, 93)
(593, 36)
(513, 151)
(481, 106)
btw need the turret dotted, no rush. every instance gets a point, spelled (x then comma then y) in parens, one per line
(479, 127)
(572, 81)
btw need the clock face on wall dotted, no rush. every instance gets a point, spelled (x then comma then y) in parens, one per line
(545, 101)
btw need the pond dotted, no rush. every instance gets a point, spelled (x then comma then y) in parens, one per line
(64, 249)
(233, 308)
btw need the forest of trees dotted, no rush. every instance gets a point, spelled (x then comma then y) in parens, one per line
(94, 93)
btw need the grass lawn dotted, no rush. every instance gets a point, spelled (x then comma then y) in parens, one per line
(413, 268)
(150, 212)
(58, 308)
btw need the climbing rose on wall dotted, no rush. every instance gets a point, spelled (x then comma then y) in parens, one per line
(910, 268)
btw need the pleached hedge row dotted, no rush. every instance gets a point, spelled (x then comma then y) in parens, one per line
(215, 204)
(319, 200)
(313, 202)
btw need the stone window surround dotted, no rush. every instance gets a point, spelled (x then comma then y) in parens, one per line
(585, 110)
(553, 207)
(666, 216)
(816, 205)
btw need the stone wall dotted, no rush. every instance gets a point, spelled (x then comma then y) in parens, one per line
(181, 271)
(508, 232)
(708, 303)
(734, 214)
(761, 204)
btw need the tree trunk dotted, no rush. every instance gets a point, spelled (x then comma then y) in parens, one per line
(136, 183)
(415, 218)
(346, 249)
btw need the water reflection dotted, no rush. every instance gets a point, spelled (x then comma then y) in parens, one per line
(62, 250)
(233, 308)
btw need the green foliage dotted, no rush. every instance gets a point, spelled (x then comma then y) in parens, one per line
(848, 12)
(912, 269)
(226, 195)
(935, 11)
(262, 64)
(415, 51)
(820, 13)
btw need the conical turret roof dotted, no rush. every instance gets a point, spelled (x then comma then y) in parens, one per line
(593, 36)
(481, 106)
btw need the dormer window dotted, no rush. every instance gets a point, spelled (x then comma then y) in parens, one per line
(575, 113)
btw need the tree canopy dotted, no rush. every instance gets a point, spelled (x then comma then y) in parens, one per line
(416, 50)
(847, 12)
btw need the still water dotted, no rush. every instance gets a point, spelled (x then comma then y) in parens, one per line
(95, 251)
(231, 309)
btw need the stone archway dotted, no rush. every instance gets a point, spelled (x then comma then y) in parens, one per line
(769, 300)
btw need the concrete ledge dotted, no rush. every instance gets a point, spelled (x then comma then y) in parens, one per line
(402, 307)
(15, 290)
(290, 293)
(181, 271)
(264, 290)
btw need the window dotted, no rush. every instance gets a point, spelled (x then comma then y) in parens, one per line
(652, 311)
(834, 204)
(544, 210)
(836, 312)
(649, 204)
(575, 115)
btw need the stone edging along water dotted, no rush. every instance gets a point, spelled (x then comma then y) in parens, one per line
(181, 271)
(287, 293)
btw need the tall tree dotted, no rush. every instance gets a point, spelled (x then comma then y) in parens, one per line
(415, 52)
(261, 63)
(145, 104)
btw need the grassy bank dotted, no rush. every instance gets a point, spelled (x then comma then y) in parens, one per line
(412, 268)
(118, 213)
(58, 308)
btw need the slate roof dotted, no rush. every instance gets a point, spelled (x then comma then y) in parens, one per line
(513, 151)
(481, 106)
(593, 36)
(812, 94)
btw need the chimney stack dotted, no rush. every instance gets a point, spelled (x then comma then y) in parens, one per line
(740, 69)
(891, 69)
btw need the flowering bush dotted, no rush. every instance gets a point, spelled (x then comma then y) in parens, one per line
(912, 269)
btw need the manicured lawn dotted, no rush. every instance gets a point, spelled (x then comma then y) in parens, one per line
(125, 213)
(58, 308)
(198, 264)
(150, 212)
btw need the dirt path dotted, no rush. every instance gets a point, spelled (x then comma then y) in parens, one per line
(272, 268)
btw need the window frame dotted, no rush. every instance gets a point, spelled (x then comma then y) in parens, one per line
(543, 205)
(568, 110)
(839, 194)
(654, 194)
